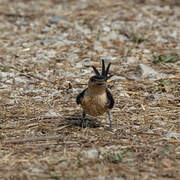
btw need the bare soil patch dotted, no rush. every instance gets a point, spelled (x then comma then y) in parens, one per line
(46, 52)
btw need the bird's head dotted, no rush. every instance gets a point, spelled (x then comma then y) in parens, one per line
(98, 82)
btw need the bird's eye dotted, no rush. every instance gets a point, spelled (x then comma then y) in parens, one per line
(93, 80)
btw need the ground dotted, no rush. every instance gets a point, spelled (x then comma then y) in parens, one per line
(47, 49)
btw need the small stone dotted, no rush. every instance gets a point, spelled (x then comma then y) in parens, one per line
(98, 47)
(172, 135)
(35, 170)
(48, 42)
(10, 102)
(67, 75)
(123, 95)
(159, 38)
(113, 36)
(150, 131)
(85, 72)
(77, 90)
(77, 80)
(148, 72)
(118, 78)
(146, 51)
(79, 65)
(83, 63)
(73, 58)
(145, 70)
(51, 53)
(20, 80)
(159, 122)
(57, 19)
(38, 99)
(5, 75)
(82, 29)
(91, 154)
(132, 108)
(131, 60)
(51, 113)
(118, 178)
(106, 29)
(110, 59)
(101, 177)
(133, 119)
(63, 163)
(120, 88)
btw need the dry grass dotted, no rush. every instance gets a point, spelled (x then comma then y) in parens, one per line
(41, 135)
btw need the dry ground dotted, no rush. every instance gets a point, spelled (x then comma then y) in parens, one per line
(46, 50)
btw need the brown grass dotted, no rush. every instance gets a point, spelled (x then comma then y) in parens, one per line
(40, 131)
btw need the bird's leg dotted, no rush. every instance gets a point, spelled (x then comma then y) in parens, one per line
(110, 119)
(83, 119)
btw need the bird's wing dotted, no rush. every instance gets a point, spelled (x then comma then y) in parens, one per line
(110, 99)
(80, 96)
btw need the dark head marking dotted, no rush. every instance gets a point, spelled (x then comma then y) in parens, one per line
(99, 77)
(104, 72)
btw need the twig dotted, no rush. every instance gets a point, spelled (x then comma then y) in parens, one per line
(19, 15)
(35, 77)
(33, 139)
(29, 75)
(33, 117)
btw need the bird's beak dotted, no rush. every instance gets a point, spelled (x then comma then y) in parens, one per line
(100, 83)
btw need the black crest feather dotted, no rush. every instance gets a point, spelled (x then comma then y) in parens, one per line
(104, 71)
(96, 71)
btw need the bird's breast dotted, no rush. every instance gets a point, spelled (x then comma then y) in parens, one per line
(95, 105)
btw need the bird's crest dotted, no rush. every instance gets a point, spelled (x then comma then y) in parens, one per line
(104, 72)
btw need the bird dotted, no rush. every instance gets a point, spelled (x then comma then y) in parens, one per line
(97, 99)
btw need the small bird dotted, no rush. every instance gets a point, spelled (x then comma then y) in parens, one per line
(97, 99)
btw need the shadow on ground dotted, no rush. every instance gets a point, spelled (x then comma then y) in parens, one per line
(76, 120)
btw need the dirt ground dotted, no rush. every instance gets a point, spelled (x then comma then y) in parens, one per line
(47, 48)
